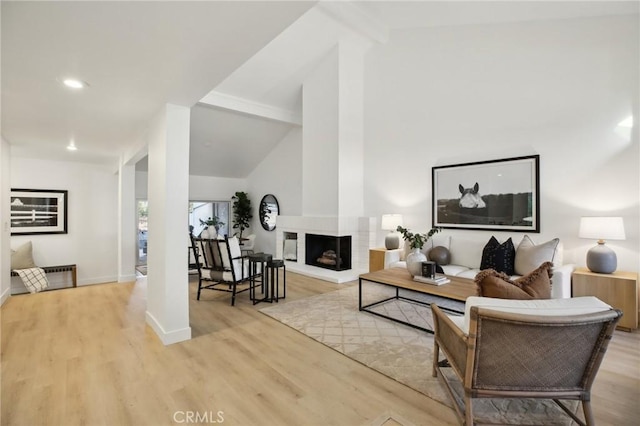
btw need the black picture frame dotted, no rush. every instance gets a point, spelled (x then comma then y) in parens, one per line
(494, 195)
(38, 211)
(269, 210)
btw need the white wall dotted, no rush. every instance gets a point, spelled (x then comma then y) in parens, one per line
(204, 188)
(557, 88)
(142, 192)
(91, 241)
(5, 221)
(208, 188)
(280, 174)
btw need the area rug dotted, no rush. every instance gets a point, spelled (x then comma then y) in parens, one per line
(400, 352)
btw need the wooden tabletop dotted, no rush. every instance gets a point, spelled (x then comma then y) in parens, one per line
(458, 289)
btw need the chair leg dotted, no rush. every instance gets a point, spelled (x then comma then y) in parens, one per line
(199, 286)
(233, 295)
(436, 356)
(468, 410)
(588, 413)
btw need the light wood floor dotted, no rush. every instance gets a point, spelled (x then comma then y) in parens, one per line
(84, 356)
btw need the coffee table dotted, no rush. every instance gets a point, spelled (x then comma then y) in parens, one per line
(399, 278)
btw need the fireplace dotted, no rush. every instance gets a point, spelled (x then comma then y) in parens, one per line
(326, 251)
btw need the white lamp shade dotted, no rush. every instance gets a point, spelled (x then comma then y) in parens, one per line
(390, 222)
(601, 228)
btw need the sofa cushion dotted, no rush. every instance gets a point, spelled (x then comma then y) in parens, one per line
(22, 257)
(529, 255)
(469, 273)
(544, 307)
(499, 257)
(466, 252)
(535, 285)
(454, 270)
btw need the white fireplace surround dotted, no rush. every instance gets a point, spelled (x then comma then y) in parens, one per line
(361, 229)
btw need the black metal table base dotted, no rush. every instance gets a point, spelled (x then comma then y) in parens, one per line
(397, 296)
(259, 276)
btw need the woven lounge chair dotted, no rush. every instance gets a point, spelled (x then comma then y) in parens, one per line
(551, 351)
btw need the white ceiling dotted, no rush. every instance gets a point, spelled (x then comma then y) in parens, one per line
(423, 14)
(137, 56)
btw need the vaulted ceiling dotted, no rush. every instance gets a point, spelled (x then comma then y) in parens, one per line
(137, 56)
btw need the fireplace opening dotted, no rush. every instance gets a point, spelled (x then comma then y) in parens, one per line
(326, 251)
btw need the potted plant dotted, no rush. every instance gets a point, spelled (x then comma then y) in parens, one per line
(241, 211)
(211, 221)
(416, 242)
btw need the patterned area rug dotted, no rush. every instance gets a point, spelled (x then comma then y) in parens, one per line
(398, 351)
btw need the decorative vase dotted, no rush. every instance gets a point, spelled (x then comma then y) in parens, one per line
(414, 262)
(209, 233)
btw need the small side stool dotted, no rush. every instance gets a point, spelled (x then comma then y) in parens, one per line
(274, 266)
(261, 259)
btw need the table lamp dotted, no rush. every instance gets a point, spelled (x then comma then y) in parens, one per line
(390, 222)
(601, 258)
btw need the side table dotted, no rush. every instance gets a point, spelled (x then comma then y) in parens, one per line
(259, 273)
(619, 290)
(376, 259)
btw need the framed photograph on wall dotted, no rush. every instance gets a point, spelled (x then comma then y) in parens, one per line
(38, 211)
(496, 195)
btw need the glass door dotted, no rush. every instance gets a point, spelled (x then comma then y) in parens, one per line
(203, 210)
(142, 232)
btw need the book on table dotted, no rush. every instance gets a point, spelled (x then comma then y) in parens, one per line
(439, 279)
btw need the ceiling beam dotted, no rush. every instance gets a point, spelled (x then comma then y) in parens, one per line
(246, 106)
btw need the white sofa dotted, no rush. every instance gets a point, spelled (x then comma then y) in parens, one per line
(466, 255)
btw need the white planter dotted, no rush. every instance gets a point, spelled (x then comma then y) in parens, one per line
(414, 262)
(209, 233)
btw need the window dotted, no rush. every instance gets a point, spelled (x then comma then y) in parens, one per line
(203, 210)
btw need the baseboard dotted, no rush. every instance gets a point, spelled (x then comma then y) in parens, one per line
(5, 295)
(99, 280)
(168, 338)
(127, 278)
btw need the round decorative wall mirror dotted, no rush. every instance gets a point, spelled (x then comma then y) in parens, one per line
(269, 209)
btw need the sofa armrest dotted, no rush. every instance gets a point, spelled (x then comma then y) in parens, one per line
(391, 257)
(561, 281)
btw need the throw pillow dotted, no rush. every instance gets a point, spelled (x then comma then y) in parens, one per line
(440, 255)
(529, 255)
(536, 285)
(22, 257)
(500, 257)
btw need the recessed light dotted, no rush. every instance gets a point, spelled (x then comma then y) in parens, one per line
(74, 83)
(72, 146)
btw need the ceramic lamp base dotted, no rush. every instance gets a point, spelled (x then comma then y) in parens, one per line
(392, 241)
(601, 259)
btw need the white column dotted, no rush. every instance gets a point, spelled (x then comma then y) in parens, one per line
(168, 196)
(126, 223)
(332, 134)
(350, 130)
(320, 139)
(5, 221)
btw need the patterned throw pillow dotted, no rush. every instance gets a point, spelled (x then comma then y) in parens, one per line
(499, 257)
(536, 285)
